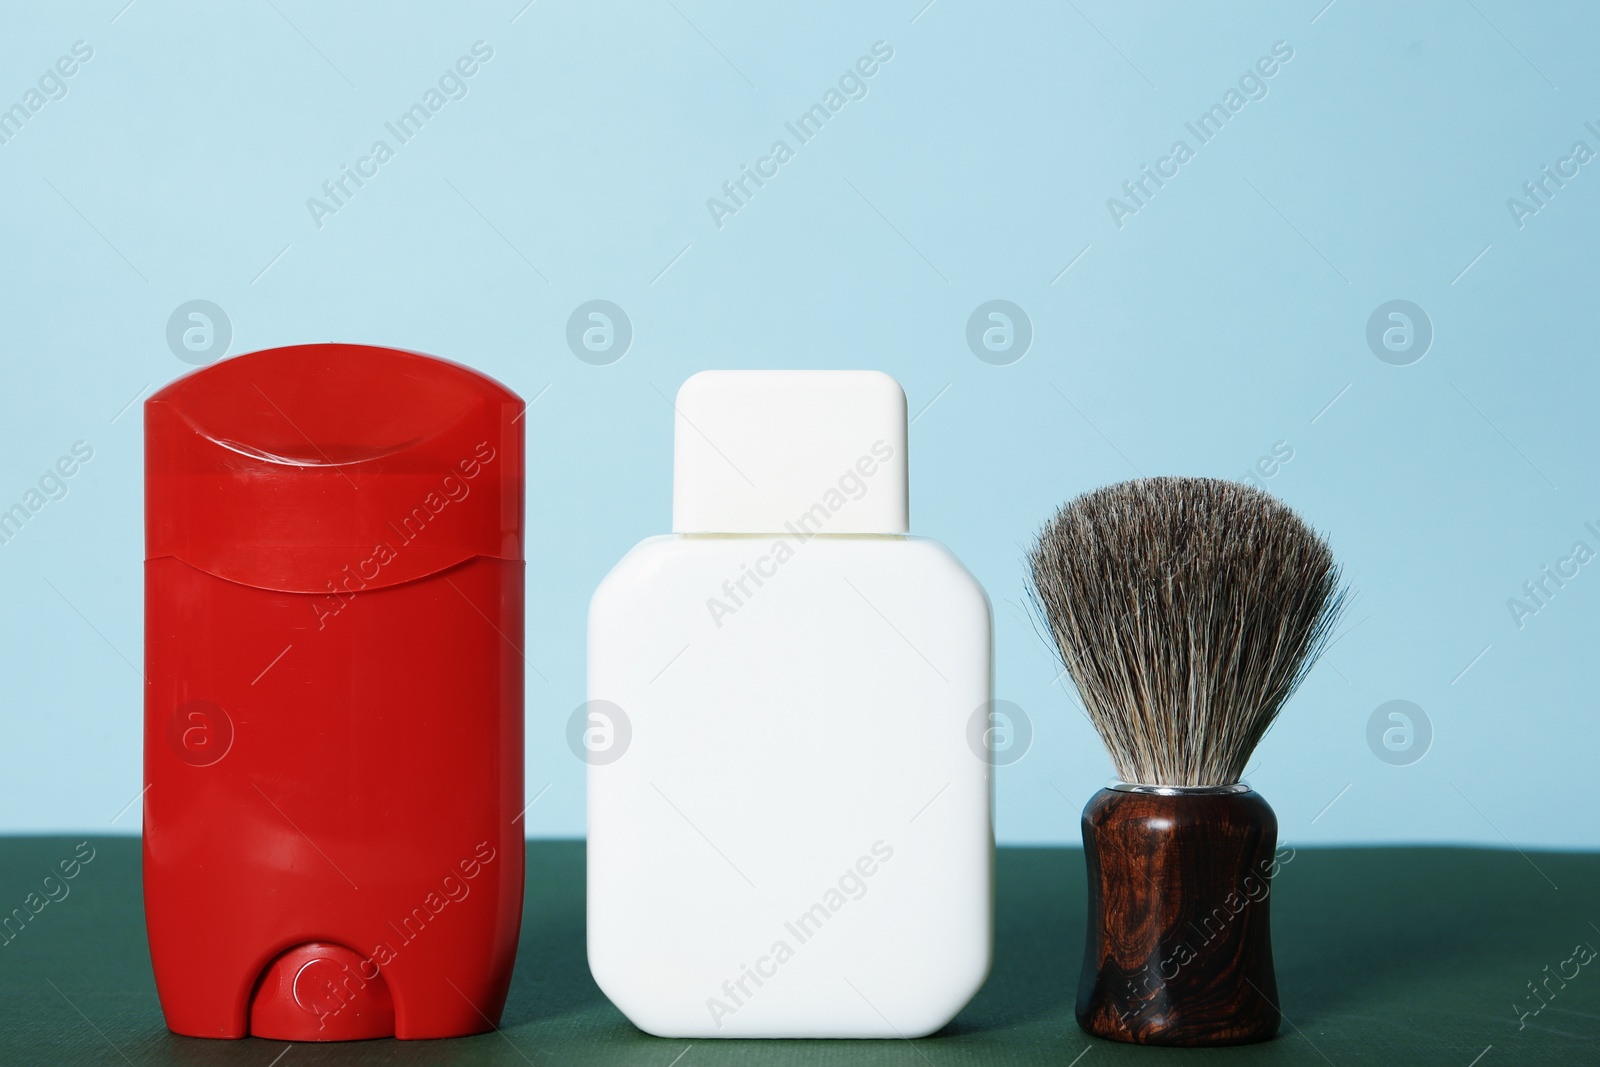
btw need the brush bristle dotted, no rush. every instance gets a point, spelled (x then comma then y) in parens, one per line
(1187, 611)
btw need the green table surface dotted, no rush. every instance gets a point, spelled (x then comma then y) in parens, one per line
(1385, 956)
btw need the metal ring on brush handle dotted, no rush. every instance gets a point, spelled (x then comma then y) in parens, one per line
(1180, 790)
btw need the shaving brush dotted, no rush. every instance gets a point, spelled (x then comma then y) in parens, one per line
(1186, 611)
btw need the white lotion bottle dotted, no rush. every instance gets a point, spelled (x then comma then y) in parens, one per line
(789, 834)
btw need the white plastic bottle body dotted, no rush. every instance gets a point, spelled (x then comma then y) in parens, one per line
(796, 840)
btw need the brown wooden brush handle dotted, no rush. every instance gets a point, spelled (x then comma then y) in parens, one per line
(1179, 950)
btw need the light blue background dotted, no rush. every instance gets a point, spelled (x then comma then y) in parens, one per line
(1223, 318)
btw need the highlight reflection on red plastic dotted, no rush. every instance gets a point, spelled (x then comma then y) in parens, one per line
(333, 709)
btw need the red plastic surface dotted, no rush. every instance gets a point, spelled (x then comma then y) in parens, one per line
(333, 712)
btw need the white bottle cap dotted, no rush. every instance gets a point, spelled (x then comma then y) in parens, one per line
(790, 451)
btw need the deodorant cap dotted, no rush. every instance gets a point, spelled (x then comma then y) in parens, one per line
(795, 452)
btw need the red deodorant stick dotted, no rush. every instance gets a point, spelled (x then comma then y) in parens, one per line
(333, 701)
